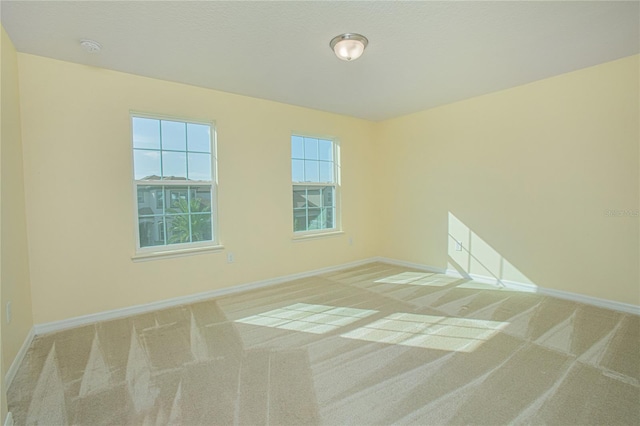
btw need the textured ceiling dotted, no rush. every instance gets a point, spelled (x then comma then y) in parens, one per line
(420, 54)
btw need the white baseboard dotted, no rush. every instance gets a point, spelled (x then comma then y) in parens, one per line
(523, 287)
(589, 300)
(8, 421)
(183, 300)
(511, 285)
(560, 294)
(13, 368)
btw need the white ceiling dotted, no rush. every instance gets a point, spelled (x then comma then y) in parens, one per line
(420, 54)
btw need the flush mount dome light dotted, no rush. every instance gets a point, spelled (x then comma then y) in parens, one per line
(349, 46)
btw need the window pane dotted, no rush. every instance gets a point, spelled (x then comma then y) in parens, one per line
(314, 219)
(311, 172)
(310, 149)
(328, 218)
(174, 135)
(297, 147)
(313, 198)
(176, 200)
(144, 195)
(151, 231)
(299, 220)
(299, 198)
(146, 164)
(200, 199)
(327, 196)
(199, 166)
(159, 199)
(146, 133)
(198, 137)
(147, 205)
(326, 171)
(178, 229)
(325, 150)
(174, 165)
(297, 170)
(201, 227)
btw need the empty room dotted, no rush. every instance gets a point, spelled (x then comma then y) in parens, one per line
(320, 212)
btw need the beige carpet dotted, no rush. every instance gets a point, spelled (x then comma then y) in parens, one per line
(377, 344)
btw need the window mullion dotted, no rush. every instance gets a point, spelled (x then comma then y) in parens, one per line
(189, 213)
(306, 209)
(186, 151)
(161, 156)
(164, 217)
(186, 159)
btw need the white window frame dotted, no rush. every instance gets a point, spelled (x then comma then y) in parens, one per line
(337, 229)
(172, 250)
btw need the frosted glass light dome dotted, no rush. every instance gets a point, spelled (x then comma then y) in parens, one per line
(349, 46)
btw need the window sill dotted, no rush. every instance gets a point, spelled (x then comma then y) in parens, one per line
(313, 236)
(169, 254)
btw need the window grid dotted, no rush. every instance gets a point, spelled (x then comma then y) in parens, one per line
(321, 181)
(166, 213)
(324, 207)
(157, 188)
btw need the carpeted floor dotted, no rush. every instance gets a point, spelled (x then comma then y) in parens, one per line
(377, 344)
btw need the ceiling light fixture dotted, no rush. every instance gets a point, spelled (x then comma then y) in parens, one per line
(349, 46)
(90, 46)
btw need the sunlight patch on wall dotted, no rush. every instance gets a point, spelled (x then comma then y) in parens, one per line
(471, 255)
(317, 319)
(429, 332)
(418, 278)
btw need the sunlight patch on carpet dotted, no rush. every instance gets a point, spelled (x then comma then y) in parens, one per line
(317, 319)
(419, 278)
(475, 285)
(428, 331)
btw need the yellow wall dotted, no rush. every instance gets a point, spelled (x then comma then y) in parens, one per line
(14, 267)
(523, 178)
(80, 212)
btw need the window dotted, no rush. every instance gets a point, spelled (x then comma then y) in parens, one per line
(174, 182)
(315, 176)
